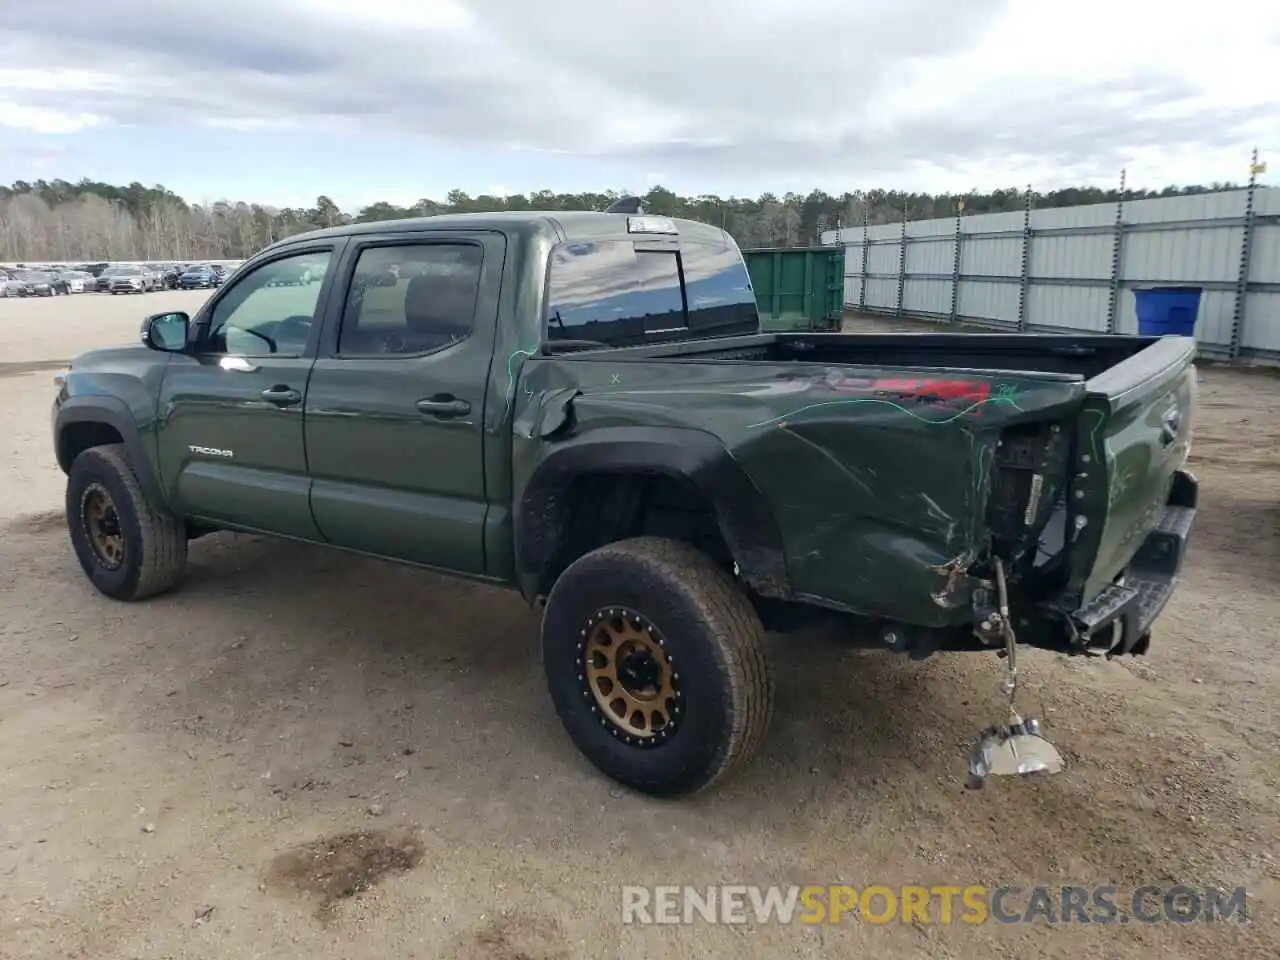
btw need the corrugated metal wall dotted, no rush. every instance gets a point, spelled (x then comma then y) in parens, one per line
(1075, 268)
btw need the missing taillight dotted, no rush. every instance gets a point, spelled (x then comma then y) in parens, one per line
(1028, 478)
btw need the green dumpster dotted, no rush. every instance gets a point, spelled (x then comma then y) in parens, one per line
(798, 288)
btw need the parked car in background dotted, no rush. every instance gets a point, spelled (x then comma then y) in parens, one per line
(78, 281)
(58, 280)
(162, 271)
(40, 284)
(13, 286)
(294, 276)
(201, 277)
(131, 280)
(104, 278)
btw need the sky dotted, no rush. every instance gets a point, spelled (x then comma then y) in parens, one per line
(279, 101)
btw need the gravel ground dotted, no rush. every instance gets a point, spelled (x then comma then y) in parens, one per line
(304, 754)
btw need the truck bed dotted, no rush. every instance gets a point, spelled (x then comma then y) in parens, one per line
(1068, 355)
(895, 463)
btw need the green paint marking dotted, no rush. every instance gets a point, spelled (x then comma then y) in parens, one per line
(511, 371)
(980, 470)
(1007, 401)
(1093, 434)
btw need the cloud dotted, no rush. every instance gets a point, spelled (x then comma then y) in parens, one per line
(799, 91)
(43, 119)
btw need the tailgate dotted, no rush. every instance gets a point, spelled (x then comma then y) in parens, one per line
(1135, 436)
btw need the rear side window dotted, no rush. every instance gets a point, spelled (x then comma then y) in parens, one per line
(409, 299)
(718, 290)
(611, 293)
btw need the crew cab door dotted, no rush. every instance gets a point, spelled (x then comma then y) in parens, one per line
(230, 437)
(395, 410)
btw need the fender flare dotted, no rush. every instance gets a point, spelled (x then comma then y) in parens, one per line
(114, 413)
(700, 458)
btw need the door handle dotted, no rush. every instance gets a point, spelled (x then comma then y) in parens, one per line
(443, 406)
(281, 396)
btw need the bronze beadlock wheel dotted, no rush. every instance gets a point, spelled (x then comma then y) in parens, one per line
(101, 522)
(656, 664)
(628, 672)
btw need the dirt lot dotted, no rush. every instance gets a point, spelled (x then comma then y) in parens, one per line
(304, 754)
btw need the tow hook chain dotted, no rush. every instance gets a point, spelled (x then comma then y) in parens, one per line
(1015, 747)
(1009, 685)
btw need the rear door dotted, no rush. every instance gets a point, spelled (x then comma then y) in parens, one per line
(395, 409)
(230, 434)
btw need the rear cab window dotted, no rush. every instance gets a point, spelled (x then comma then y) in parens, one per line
(630, 292)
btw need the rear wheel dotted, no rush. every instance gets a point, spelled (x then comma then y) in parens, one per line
(129, 548)
(655, 661)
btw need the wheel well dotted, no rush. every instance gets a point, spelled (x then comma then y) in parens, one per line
(603, 508)
(79, 437)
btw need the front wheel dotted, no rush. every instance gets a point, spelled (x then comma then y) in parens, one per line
(655, 661)
(128, 547)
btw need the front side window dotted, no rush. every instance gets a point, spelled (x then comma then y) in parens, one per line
(411, 299)
(267, 312)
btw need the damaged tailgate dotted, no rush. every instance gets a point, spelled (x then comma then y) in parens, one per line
(1134, 502)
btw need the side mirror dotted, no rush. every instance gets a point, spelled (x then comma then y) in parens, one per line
(166, 331)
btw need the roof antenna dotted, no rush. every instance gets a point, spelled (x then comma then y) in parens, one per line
(626, 205)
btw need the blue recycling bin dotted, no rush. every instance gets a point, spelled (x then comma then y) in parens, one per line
(1167, 311)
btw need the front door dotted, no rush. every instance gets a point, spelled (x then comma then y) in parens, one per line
(395, 411)
(231, 442)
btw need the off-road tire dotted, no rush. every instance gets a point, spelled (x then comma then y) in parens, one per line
(155, 541)
(716, 645)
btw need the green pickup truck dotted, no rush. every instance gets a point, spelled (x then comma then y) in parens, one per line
(582, 406)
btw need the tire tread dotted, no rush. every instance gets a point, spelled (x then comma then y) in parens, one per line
(163, 549)
(724, 615)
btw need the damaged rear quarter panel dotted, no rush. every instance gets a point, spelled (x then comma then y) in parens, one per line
(876, 477)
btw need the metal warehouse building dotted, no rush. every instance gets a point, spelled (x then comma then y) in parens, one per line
(1076, 268)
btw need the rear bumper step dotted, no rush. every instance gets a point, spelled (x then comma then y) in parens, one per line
(1118, 621)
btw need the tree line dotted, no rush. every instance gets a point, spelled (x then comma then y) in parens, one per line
(57, 220)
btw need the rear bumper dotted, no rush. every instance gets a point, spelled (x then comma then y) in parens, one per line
(1118, 621)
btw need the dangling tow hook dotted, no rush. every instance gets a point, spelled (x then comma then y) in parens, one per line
(1015, 747)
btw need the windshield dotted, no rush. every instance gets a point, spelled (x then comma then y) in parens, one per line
(128, 272)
